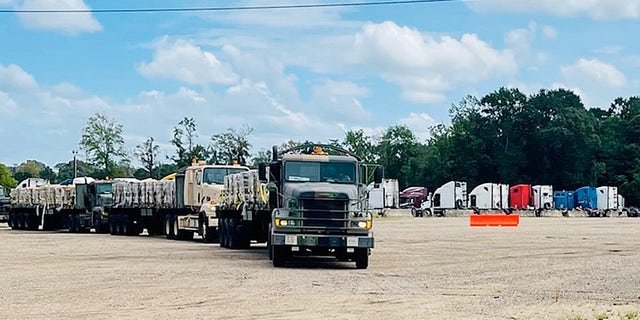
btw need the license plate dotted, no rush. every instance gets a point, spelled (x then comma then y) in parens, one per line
(352, 241)
(291, 240)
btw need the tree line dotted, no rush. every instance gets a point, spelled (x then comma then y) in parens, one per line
(548, 137)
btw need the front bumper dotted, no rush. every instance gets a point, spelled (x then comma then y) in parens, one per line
(329, 241)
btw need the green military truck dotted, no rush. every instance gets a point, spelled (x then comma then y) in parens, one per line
(305, 202)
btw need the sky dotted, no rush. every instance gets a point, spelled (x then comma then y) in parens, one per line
(293, 74)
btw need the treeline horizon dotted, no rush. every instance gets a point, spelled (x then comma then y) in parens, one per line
(506, 136)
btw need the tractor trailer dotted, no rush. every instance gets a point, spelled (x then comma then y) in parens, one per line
(304, 202)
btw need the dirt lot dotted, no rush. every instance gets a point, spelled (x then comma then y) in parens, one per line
(423, 268)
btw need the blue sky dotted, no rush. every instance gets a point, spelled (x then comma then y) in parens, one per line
(294, 74)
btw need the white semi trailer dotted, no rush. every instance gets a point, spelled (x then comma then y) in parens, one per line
(489, 196)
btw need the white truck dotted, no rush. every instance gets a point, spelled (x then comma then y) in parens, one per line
(489, 196)
(542, 196)
(383, 195)
(451, 195)
(177, 208)
(607, 199)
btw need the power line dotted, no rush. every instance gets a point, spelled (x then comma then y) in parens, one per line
(234, 8)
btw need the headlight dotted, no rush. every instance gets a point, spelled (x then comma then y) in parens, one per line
(362, 224)
(284, 223)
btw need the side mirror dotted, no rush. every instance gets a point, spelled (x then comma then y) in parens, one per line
(262, 172)
(377, 175)
(274, 171)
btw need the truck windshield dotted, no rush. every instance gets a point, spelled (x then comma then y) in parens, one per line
(342, 172)
(216, 175)
(102, 188)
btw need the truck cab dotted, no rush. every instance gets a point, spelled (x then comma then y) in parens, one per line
(318, 206)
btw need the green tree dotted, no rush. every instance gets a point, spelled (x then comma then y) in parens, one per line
(34, 169)
(65, 170)
(233, 144)
(357, 142)
(103, 143)
(147, 153)
(183, 139)
(6, 179)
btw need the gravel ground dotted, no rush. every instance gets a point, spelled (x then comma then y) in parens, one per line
(422, 268)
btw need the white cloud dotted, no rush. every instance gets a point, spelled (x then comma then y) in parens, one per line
(594, 71)
(7, 105)
(419, 123)
(423, 65)
(183, 61)
(597, 9)
(69, 23)
(14, 78)
(341, 100)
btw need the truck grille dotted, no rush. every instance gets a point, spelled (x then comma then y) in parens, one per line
(325, 213)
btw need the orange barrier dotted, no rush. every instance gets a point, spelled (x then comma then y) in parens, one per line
(494, 220)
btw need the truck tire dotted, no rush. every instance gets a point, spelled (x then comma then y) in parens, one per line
(222, 236)
(71, 224)
(97, 223)
(208, 233)
(12, 217)
(34, 222)
(113, 229)
(234, 239)
(21, 222)
(362, 258)
(168, 226)
(458, 204)
(126, 225)
(279, 255)
(269, 248)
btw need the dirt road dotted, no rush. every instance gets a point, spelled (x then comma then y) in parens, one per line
(423, 268)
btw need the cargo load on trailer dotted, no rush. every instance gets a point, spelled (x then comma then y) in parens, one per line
(5, 204)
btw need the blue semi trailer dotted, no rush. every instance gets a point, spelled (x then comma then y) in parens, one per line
(564, 200)
(587, 198)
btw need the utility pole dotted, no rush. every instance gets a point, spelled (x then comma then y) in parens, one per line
(75, 164)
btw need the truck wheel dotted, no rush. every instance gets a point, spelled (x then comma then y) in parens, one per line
(12, 216)
(279, 255)
(126, 226)
(168, 226)
(208, 234)
(21, 223)
(71, 224)
(232, 234)
(362, 258)
(113, 230)
(97, 223)
(222, 232)
(269, 249)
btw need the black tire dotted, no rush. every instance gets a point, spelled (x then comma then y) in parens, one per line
(361, 256)
(414, 212)
(97, 223)
(168, 226)
(222, 232)
(459, 204)
(279, 255)
(269, 248)
(113, 228)
(12, 218)
(547, 206)
(126, 225)
(232, 229)
(208, 233)
(21, 222)
(71, 224)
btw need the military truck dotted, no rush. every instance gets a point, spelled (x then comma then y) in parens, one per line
(51, 206)
(5, 204)
(177, 208)
(304, 202)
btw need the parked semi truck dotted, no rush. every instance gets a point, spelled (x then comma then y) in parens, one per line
(177, 208)
(489, 196)
(302, 203)
(38, 205)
